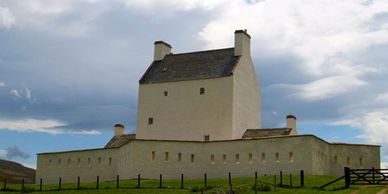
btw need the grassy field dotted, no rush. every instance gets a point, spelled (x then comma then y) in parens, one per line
(216, 186)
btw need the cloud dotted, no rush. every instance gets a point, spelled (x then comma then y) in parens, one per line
(384, 165)
(3, 154)
(28, 94)
(25, 93)
(328, 87)
(42, 126)
(15, 93)
(85, 132)
(171, 5)
(373, 124)
(32, 125)
(15, 152)
(382, 97)
(329, 49)
(2, 84)
(7, 20)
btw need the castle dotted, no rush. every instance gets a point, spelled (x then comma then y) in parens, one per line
(200, 112)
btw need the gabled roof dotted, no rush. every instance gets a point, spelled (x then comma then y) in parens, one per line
(269, 132)
(116, 142)
(191, 66)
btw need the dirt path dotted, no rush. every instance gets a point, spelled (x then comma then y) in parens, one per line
(359, 189)
(383, 191)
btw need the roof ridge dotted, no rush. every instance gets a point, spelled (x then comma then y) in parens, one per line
(194, 52)
(271, 128)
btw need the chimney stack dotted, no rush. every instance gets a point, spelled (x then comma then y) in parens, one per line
(242, 43)
(119, 130)
(291, 123)
(161, 49)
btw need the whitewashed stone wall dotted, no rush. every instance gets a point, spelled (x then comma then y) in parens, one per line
(242, 158)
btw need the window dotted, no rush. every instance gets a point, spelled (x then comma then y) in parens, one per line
(212, 159)
(179, 157)
(263, 157)
(166, 156)
(250, 158)
(153, 155)
(192, 158)
(50, 162)
(291, 157)
(202, 91)
(335, 159)
(360, 161)
(150, 121)
(110, 161)
(165, 93)
(277, 158)
(347, 161)
(237, 158)
(206, 137)
(224, 158)
(59, 162)
(68, 161)
(79, 161)
(99, 160)
(89, 161)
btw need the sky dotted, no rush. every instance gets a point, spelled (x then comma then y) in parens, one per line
(69, 69)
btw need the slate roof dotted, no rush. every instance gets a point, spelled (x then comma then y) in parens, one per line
(116, 142)
(191, 66)
(252, 133)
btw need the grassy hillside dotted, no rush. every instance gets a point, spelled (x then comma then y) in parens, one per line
(216, 186)
(15, 172)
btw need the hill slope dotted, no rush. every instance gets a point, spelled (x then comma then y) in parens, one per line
(15, 172)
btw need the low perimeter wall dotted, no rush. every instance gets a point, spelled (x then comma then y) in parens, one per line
(242, 158)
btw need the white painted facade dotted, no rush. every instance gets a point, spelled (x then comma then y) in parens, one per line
(228, 106)
(240, 157)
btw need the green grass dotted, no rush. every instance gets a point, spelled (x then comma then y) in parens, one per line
(240, 185)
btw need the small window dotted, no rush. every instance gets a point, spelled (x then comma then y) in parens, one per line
(224, 158)
(68, 161)
(335, 159)
(165, 93)
(153, 155)
(110, 161)
(263, 157)
(291, 157)
(192, 158)
(277, 158)
(89, 161)
(79, 161)
(212, 159)
(348, 161)
(179, 157)
(59, 162)
(166, 156)
(250, 158)
(206, 137)
(99, 160)
(50, 162)
(360, 161)
(202, 91)
(150, 121)
(237, 158)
